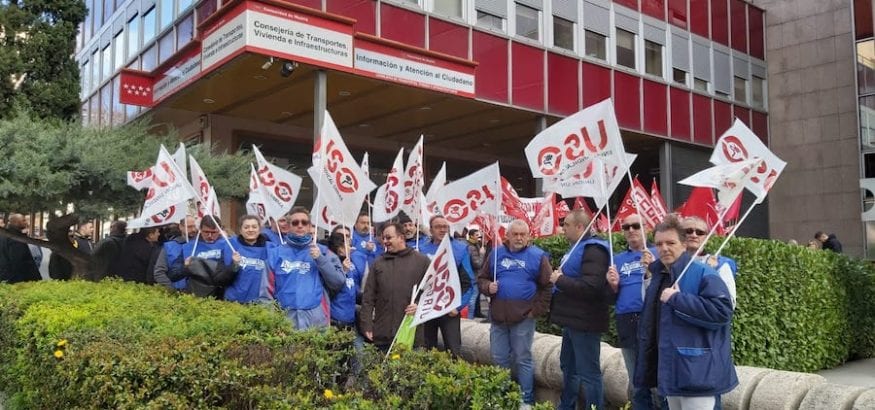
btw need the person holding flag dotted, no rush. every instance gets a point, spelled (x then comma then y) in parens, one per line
(362, 238)
(696, 230)
(627, 278)
(303, 271)
(516, 276)
(254, 283)
(449, 325)
(386, 295)
(580, 306)
(411, 231)
(210, 260)
(685, 334)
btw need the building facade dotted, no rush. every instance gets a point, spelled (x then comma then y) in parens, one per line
(477, 78)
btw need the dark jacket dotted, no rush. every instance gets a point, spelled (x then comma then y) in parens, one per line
(59, 267)
(581, 302)
(832, 243)
(16, 262)
(387, 292)
(83, 243)
(523, 288)
(685, 343)
(106, 257)
(134, 260)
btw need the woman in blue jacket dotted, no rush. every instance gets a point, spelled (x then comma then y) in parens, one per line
(254, 283)
(685, 327)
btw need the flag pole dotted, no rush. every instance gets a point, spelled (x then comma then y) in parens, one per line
(278, 231)
(735, 228)
(496, 225)
(704, 242)
(196, 239)
(637, 207)
(222, 231)
(610, 233)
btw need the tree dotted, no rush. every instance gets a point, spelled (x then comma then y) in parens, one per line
(37, 68)
(48, 164)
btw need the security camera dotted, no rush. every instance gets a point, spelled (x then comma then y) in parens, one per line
(267, 63)
(287, 68)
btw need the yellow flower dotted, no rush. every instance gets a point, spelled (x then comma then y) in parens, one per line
(328, 394)
(59, 354)
(62, 342)
(396, 356)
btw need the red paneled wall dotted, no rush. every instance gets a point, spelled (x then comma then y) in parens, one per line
(364, 11)
(677, 13)
(863, 18)
(702, 132)
(596, 84)
(656, 108)
(700, 17)
(627, 100)
(562, 84)
(680, 114)
(757, 36)
(490, 52)
(632, 4)
(738, 12)
(654, 8)
(448, 38)
(402, 25)
(760, 126)
(720, 21)
(742, 114)
(528, 76)
(722, 118)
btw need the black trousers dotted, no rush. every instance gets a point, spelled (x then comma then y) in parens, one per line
(450, 328)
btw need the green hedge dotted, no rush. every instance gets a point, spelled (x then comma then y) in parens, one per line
(82, 345)
(798, 309)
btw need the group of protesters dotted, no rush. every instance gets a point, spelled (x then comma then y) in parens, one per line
(673, 306)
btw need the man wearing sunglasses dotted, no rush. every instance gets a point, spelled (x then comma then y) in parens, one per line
(580, 306)
(303, 272)
(627, 278)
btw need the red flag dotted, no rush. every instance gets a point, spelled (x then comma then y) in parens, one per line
(657, 201)
(732, 213)
(601, 224)
(561, 209)
(701, 203)
(510, 201)
(135, 88)
(627, 207)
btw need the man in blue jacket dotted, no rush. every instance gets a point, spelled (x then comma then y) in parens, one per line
(685, 327)
(363, 239)
(696, 229)
(626, 278)
(303, 272)
(171, 265)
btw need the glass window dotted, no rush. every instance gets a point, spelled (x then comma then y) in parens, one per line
(106, 105)
(106, 62)
(150, 58)
(563, 33)
(595, 45)
(487, 20)
(679, 76)
(148, 26)
(166, 46)
(184, 5)
(86, 79)
(85, 114)
(133, 36)
(867, 122)
(626, 48)
(86, 24)
(118, 111)
(185, 31)
(866, 66)
(166, 10)
(98, 15)
(653, 58)
(721, 94)
(700, 85)
(94, 110)
(118, 45)
(757, 91)
(95, 71)
(527, 22)
(452, 8)
(108, 9)
(740, 89)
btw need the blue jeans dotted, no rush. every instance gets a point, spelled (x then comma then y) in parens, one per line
(579, 361)
(512, 344)
(641, 397)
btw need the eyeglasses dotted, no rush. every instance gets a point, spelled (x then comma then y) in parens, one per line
(698, 232)
(635, 226)
(299, 222)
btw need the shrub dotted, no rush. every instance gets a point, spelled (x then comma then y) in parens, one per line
(83, 345)
(798, 309)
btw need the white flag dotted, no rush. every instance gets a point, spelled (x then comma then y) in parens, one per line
(442, 290)
(581, 180)
(201, 186)
(413, 182)
(142, 179)
(366, 168)
(279, 188)
(179, 157)
(169, 186)
(462, 200)
(591, 132)
(434, 190)
(172, 214)
(387, 202)
(339, 178)
(728, 178)
(213, 206)
(739, 143)
(255, 202)
(322, 216)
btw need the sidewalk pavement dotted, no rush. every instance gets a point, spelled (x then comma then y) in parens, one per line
(856, 373)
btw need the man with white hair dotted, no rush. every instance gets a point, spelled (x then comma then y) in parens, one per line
(520, 291)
